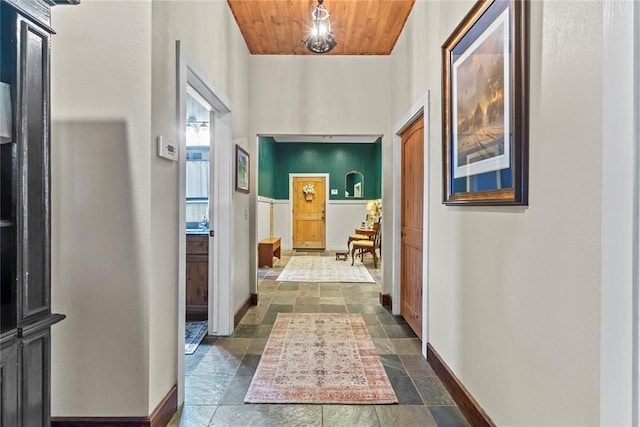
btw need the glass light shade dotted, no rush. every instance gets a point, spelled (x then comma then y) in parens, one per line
(6, 114)
(321, 39)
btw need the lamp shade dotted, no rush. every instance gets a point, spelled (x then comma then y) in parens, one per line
(5, 113)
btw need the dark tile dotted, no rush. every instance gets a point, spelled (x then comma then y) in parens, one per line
(330, 308)
(308, 300)
(376, 331)
(193, 416)
(257, 346)
(390, 319)
(191, 361)
(245, 331)
(405, 391)
(237, 391)
(280, 308)
(393, 366)
(361, 308)
(294, 415)
(329, 292)
(269, 319)
(433, 392)
(240, 415)
(407, 345)
(371, 319)
(248, 365)
(399, 331)
(349, 415)
(417, 366)
(263, 331)
(448, 416)
(306, 308)
(205, 390)
(394, 415)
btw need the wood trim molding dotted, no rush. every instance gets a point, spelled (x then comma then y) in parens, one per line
(251, 300)
(159, 417)
(469, 407)
(385, 300)
(168, 406)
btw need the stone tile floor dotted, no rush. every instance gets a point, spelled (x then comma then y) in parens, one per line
(218, 374)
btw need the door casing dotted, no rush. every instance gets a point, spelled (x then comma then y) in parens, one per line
(420, 107)
(221, 246)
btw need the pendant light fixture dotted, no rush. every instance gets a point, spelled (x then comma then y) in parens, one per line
(321, 38)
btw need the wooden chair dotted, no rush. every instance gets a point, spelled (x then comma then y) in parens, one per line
(356, 236)
(370, 246)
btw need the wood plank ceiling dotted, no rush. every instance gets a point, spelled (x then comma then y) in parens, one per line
(361, 27)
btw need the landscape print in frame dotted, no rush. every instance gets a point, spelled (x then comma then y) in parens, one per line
(242, 170)
(485, 123)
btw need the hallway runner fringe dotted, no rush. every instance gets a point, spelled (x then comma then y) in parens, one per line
(320, 358)
(324, 269)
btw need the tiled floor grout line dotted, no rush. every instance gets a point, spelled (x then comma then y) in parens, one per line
(244, 350)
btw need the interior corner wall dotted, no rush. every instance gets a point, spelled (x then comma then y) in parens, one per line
(514, 292)
(208, 32)
(100, 217)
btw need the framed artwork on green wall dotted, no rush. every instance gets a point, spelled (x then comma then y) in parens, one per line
(242, 170)
(485, 106)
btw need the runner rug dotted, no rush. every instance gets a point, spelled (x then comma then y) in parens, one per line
(316, 268)
(194, 332)
(320, 358)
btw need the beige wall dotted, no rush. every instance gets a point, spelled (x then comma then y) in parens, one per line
(208, 32)
(114, 216)
(514, 292)
(101, 105)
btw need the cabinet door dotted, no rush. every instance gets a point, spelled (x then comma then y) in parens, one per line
(9, 414)
(33, 181)
(36, 366)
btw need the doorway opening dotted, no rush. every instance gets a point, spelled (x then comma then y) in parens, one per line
(198, 214)
(212, 220)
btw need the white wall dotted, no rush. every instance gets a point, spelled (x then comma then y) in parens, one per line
(114, 210)
(101, 106)
(514, 292)
(341, 219)
(208, 32)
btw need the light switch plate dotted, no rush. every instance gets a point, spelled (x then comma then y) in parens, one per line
(334, 191)
(167, 149)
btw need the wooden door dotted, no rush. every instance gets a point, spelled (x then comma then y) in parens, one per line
(309, 213)
(411, 222)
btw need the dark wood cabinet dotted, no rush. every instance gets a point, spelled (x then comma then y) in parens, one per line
(197, 294)
(25, 228)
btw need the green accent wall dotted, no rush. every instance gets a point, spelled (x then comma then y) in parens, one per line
(266, 167)
(278, 160)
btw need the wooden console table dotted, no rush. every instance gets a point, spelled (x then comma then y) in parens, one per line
(267, 249)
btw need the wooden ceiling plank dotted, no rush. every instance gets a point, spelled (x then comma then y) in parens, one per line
(361, 27)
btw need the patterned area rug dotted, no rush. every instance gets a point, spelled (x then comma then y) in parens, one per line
(194, 333)
(320, 358)
(323, 269)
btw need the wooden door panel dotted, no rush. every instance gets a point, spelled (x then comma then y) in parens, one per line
(309, 226)
(411, 298)
(411, 225)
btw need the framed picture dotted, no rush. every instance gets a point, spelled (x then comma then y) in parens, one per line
(242, 170)
(485, 114)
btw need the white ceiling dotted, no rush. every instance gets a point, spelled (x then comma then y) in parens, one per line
(367, 139)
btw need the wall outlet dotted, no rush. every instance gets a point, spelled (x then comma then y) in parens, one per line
(334, 191)
(167, 149)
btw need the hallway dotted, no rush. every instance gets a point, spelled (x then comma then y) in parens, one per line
(219, 373)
